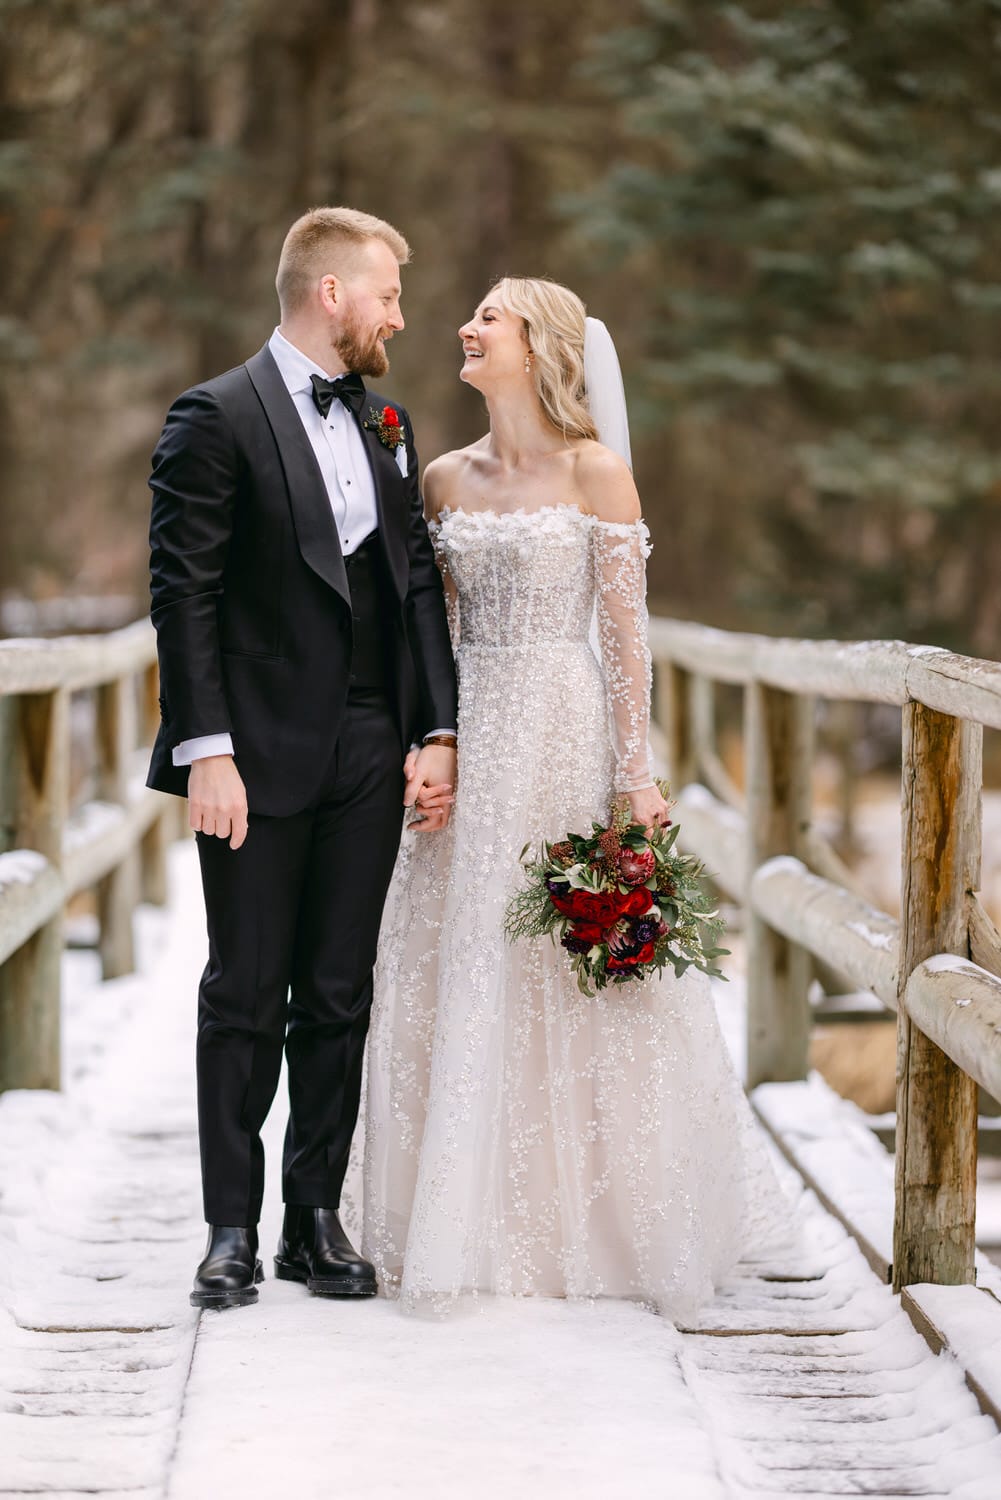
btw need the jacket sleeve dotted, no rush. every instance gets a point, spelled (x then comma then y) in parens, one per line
(194, 482)
(427, 621)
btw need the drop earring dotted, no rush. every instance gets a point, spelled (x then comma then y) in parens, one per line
(528, 364)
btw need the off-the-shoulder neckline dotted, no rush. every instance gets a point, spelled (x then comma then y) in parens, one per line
(520, 513)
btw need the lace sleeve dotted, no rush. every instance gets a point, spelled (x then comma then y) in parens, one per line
(620, 553)
(448, 583)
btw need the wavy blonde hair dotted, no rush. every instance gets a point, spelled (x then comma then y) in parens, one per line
(553, 318)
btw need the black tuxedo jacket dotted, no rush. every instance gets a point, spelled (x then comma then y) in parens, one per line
(250, 596)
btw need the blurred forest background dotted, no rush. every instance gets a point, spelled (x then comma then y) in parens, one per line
(787, 213)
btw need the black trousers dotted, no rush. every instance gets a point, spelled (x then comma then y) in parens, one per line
(297, 908)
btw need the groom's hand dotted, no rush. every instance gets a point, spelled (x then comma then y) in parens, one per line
(430, 786)
(217, 799)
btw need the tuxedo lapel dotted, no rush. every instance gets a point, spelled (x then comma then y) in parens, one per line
(315, 529)
(390, 499)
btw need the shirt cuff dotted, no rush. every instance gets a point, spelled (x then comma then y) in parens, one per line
(432, 732)
(205, 745)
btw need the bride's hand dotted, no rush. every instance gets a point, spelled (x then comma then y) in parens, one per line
(649, 808)
(430, 777)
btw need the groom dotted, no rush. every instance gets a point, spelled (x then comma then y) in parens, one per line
(303, 646)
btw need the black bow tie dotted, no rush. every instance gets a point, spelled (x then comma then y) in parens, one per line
(348, 388)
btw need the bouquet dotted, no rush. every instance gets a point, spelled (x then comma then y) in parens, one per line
(623, 904)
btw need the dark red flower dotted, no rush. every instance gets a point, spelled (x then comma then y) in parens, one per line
(390, 417)
(637, 901)
(636, 865)
(602, 907)
(588, 932)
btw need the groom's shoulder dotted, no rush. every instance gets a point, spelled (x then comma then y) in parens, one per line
(218, 389)
(205, 405)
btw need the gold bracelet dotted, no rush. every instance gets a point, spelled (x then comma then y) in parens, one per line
(443, 739)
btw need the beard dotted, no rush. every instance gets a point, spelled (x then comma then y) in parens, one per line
(362, 353)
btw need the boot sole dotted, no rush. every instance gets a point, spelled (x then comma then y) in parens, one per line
(326, 1286)
(219, 1300)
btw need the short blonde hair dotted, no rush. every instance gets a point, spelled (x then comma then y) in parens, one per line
(327, 240)
(553, 317)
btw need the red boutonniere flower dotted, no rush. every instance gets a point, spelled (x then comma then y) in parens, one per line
(387, 425)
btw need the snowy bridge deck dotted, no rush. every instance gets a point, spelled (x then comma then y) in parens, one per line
(805, 1377)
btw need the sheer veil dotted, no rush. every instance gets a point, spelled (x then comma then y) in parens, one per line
(606, 396)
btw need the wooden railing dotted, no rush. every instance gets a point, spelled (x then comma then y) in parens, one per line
(113, 843)
(938, 966)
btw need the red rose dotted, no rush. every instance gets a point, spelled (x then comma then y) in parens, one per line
(637, 901)
(645, 954)
(390, 417)
(636, 865)
(588, 932)
(600, 907)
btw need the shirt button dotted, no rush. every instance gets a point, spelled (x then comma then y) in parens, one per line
(349, 481)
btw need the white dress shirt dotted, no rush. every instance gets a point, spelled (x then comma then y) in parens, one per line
(340, 452)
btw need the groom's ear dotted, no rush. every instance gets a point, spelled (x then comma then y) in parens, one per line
(331, 292)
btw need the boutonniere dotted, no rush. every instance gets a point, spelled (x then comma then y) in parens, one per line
(386, 424)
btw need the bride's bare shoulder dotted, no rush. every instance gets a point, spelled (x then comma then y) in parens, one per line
(444, 478)
(605, 483)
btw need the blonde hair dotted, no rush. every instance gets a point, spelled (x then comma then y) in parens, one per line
(324, 241)
(553, 317)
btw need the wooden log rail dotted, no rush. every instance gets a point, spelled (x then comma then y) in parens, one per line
(114, 844)
(938, 967)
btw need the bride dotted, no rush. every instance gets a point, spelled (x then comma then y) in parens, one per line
(522, 1138)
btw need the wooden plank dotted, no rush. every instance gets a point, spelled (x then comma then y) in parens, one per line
(31, 894)
(834, 924)
(75, 662)
(99, 836)
(957, 1005)
(985, 940)
(674, 715)
(153, 846)
(718, 835)
(861, 671)
(779, 738)
(936, 1156)
(118, 890)
(966, 1322)
(30, 979)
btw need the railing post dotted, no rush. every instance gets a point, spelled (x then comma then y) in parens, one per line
(778, 729)
(117, 891)
(936, 1150)
(673, 696)
(153, 849)
(38, 779)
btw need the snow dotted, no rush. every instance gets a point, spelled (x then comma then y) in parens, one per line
(868, 935)
(21, 867)
(100, 1230)
(969, 1321)
(952, 963)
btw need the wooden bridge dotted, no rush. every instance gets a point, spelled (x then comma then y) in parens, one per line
(816, 1371)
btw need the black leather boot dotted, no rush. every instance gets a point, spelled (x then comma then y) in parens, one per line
(230, 1270)
(314, 1249)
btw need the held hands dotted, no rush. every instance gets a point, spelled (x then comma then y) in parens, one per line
(430, 786)
(649, 808)
(217, 799)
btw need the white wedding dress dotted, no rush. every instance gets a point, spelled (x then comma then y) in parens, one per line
(520, 1137)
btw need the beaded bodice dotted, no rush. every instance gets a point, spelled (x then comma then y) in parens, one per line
(526, 579)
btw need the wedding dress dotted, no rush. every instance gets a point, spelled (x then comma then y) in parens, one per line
(521, 1137)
